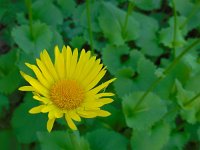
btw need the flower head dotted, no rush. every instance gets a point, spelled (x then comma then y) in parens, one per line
(68, 87)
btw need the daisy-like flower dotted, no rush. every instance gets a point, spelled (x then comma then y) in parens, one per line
(68, 87)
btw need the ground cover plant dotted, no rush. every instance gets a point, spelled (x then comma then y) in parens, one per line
(151, 48)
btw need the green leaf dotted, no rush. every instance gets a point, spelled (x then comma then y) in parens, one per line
(182, 95)
(67, 7)
(193, 83)
(62, 140)
(198, 132)
(148, 40)
(26, 125)
(113, 62)
(147, 4)
(133, 73)
(124, 79)
(4, 104)
(8, 140)
(167, 34)
(151, 139)
(2, 12)
(192, 131)
(190, 110)
(165, 88)
(9, 73)
(177, 141)
(134, 57)
(189, 9)
(146, 75)
(21, 18)
(32, 44)
(10, 82)
(146, 114)
(111, 21)
(103, 139)
(5, 65)
(47, 12)
(166, 37)
(116, 120)
(77, 42)
(57, 40)
(23, 57)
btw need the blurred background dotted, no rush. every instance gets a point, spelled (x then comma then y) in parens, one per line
(151, 46)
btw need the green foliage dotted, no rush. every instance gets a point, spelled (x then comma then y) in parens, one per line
(111, 21)
(148, 36)
(147, 4)
(33, 41)
(8, 140)
(27, 126)
(40, 11)
(9, 73)
(114, 61)
(143, 115)
(62, 140)
(102, 139)
(177, 141)
(190, 108)
(154, 138)
(167, 34)
(156, 104)
(4, 104)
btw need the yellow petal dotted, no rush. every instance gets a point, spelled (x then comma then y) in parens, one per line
(47, 108)
(58, 113)
(45, 71)
(36, 110)
(68, 60)
(103, 113)
(59, 63)
(87, 68)
(104, 95)
(102, 86)
(70, 122)
(106, 100)
(48, 63)
(41, 99)
(73, 63)
(96, 80)
(92, 75)
(97, 103)
(26, 88)
(84, 57)
(74, 115)
(36, 85)
(51, 114)
(39, 75)
(50, 123)
(91, 104)
(87, 114)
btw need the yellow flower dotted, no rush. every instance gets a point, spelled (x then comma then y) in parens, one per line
(68, 87)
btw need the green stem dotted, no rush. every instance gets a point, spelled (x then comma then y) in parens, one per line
(166, 72)
(30, 16)
(89, 25)
(175, 29)
(130, 8)
(192, 99)
(178, 107)
(187, 49)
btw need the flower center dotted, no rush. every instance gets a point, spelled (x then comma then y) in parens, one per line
(67, 94)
